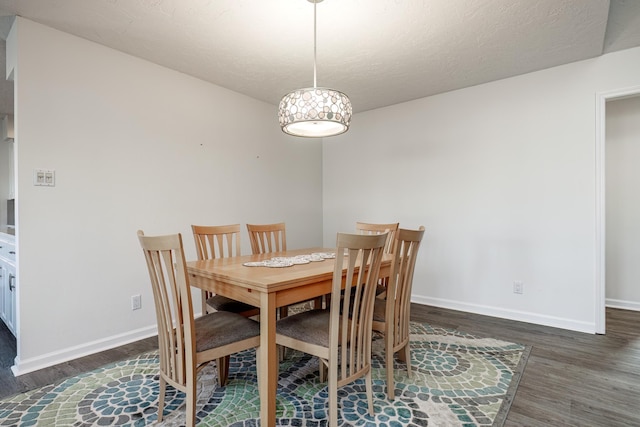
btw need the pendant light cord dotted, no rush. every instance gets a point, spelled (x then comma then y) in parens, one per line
(314, 44)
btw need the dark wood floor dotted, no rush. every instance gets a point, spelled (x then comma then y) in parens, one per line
(571, 378)
(7, 349)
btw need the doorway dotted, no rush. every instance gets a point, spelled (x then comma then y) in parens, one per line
(600, 280)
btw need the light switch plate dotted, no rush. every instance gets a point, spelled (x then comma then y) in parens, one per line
(44, 177)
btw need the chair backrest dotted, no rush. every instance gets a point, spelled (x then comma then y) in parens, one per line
(399, 290)
(267, 238)
(172, 297)
(390, 229)
(216, 241)
(351, 332)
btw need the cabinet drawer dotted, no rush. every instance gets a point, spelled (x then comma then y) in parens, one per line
(8, 251)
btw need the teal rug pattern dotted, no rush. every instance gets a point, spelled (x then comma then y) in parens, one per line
(457, 380)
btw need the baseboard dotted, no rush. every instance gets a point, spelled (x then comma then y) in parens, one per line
(22, 367)
(621, 304)
(520, 316)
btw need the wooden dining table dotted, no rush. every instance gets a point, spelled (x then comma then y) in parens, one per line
(268, 288)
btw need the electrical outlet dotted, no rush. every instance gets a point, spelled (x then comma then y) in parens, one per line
(518, 287)
(136, 302)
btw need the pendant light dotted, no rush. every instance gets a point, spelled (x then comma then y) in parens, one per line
(315, 112)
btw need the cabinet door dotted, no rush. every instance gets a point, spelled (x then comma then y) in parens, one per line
(4, 290)
(11, 304)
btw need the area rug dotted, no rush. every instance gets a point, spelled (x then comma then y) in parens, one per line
(457, 380)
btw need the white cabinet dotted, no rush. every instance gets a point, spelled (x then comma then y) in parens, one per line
(4, 274)
(8, 281)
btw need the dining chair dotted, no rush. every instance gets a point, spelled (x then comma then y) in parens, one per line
(391, 316)
(267, 238)
(338, 339)
(186, 344)
(220, 241)
(390, 229)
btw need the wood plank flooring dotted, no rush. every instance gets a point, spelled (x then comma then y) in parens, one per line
(571, 378)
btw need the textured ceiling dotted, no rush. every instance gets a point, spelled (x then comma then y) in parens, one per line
(378, 52)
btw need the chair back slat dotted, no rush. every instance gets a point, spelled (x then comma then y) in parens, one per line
(172, 298)
(352, 315)
(267, 238)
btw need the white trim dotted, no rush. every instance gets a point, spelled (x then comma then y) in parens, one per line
(600, 273)
(46, 360)
(520, 316)
(623, 305)
(600, 226)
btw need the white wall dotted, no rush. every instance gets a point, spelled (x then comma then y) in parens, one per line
(502, 175)
(623, 203)
(134, 146)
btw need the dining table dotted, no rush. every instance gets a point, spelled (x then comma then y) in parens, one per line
(246, 279)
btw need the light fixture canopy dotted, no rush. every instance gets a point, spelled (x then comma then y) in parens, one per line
(315, 112)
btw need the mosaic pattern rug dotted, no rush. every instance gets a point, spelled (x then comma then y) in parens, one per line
(457, 380)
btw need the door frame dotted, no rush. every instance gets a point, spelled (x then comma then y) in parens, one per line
(601, 116)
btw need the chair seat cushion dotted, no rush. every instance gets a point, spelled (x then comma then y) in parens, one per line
(220, 303)
(379, 310)
(221, 328)
(310, 326)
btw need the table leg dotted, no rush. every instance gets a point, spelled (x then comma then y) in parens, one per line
(268, 363)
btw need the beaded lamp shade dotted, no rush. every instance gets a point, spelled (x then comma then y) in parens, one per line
(315, 112)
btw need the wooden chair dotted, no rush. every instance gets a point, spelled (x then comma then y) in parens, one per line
(390, 229)
(220, 242)
(391, 316)
(187, 344)
(267, 238)
(335, 338)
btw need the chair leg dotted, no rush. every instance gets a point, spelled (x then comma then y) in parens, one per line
(406, 351)
(333, 395)
(284, 312)
(258, 365)
(191, 403)
(317, 303)
(282, 351)
(322, 370)
(369, 385)
(163, 389)
(223, 370)
(388, 355)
